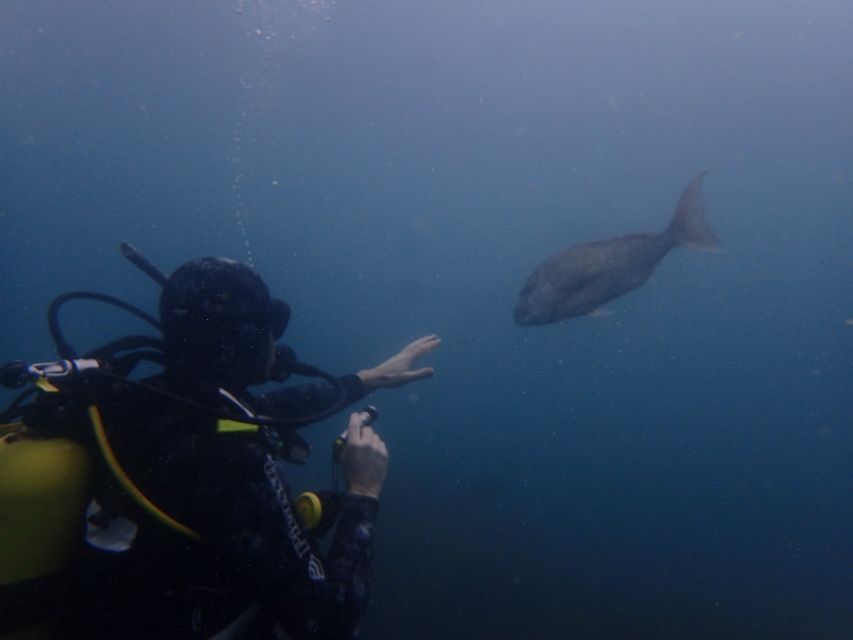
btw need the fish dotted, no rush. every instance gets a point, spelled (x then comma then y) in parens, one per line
(582, 278)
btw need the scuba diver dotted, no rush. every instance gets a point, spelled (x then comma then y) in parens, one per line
(169, 514)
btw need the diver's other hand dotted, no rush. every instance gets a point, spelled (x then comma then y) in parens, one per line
(397, 370)
(364, 460)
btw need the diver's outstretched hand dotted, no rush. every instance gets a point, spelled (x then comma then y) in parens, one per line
(398, 369)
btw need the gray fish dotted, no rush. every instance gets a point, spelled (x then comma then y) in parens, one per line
(580, 279)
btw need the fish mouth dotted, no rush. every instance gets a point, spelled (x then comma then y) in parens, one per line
(524, 316)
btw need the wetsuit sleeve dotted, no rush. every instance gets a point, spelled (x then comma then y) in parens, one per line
(251, 518)
(307, 400)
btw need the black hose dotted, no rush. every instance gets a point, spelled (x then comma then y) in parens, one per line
(125, 343)
(265, 421)
(15, 410)
(64, 349)
(127, 363)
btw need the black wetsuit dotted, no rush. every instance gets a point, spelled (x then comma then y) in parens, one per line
(255, 559)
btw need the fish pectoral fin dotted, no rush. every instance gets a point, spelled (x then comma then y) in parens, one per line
(599, 313)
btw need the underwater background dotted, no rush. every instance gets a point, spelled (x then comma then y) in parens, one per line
(682, 468)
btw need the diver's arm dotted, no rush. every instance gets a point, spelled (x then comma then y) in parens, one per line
(350, 561)
(364, 465)
(308, 400)
(253, 522)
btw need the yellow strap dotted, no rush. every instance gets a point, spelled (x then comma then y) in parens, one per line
(45, 385)
(235, 426)
(127, 483)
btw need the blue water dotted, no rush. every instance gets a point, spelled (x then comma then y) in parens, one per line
(678, 469)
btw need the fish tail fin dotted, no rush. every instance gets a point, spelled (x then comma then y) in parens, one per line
(688, 226)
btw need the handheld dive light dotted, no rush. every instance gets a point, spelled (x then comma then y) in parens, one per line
(319, 509)
(369, 415)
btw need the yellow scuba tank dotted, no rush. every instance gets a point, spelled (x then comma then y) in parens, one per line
(43, 493)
